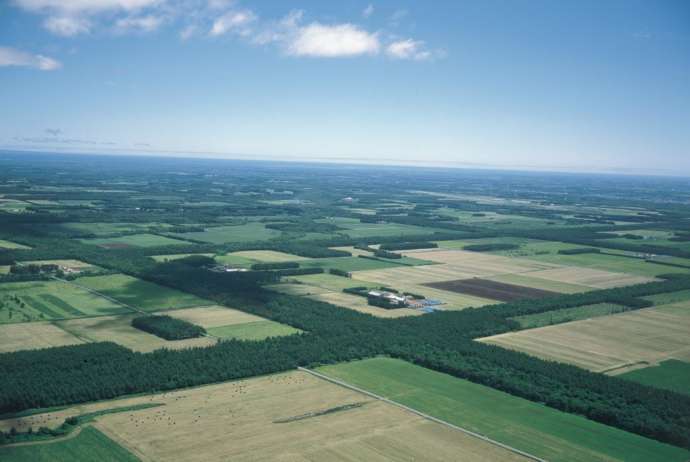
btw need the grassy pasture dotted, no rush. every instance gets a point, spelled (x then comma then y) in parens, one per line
(140, 294)
(133, 240)
(607, 262)
(45, 300)
(34, 335)
(256, 330)
(248, 232)
(354, 229)
(89, 445)
(671, 375)
(669, 297)
(119, 329)
(102, 229)
(611, 344)
(12, 245)
(75, 265)
(537, 429)
(227, 323)
(531, 321)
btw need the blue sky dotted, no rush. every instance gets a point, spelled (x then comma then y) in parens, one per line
(580, 85)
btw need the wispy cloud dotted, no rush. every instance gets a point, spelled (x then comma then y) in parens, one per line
(292, 34)
(235, 21)
(13, 57)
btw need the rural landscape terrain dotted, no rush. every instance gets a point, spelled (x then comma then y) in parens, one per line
(162, 309)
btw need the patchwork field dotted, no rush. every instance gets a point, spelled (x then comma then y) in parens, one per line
(547, 433)
(487, 288)
(248, 232)
(613, 343)
(671, 375)
(34, 335)
(140, 294)
(133, 240)
(119, 329)
(45, 300)
(89, 445)
(226, 323)
(292, 416)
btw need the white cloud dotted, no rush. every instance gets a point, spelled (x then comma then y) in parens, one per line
(233, 21)
(13, 57)
(320, 40)
(146, 23)
(408, 49)
(76, 6)
(368, 11)
(67, 26)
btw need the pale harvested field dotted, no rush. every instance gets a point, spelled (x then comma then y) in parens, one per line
(212, 316)
(33, 335)
(478, 264)
(353, 251)
(239, 421)
(68, 263)
(590, 277)
(118, 329)
(271, 256)
(611, 343)
(525, 279)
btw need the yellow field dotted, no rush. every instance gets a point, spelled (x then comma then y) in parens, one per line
(118, 329)
(590, 277)
(269, 256)
(33, 335)
(279, 417)
(613, 343)
(477, 264)
(212, 316)
(4, 269)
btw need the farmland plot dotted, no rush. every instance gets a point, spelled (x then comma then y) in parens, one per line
(542, 431)
(140, 294)
(119, 329)
(33, 335)
(590, 277)
(613, 343)
(134, 240)
(491, 289)
(293, 415)
(46, 300)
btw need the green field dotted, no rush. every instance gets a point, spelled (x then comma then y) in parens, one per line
(347, 263)
(354, 229)
(531, 427)
(568, 314)
(102, 229)
(614, 263)
(11, 245)
(669, 297)
(257, 330)
(671, 375)
(44, 300)
(133, 240)
(140, 294)
(88, 446)
(248, 232)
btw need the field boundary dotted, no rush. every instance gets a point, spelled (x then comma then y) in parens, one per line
(421, 414)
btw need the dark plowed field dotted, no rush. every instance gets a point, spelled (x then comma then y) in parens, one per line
(491, 289)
